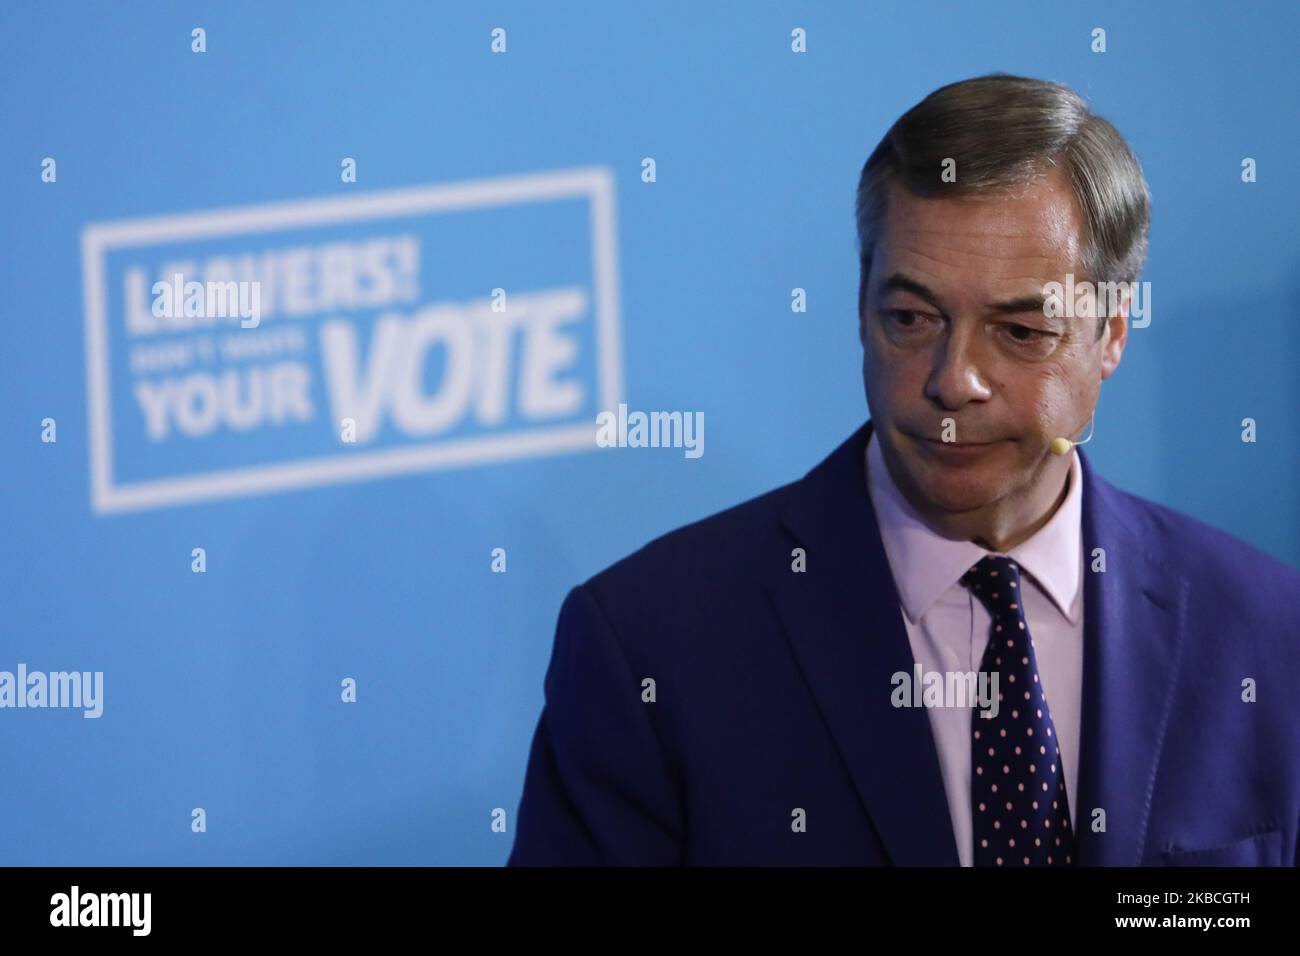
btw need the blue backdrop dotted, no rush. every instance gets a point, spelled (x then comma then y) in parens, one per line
(523, 171)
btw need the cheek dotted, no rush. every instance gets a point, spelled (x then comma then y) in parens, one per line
(1048, 398)
(888, 386)
(889, 370)
(875, 372)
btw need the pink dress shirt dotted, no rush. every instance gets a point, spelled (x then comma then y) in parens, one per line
(948, 627)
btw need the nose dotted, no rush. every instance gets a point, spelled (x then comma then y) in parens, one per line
(955, 378)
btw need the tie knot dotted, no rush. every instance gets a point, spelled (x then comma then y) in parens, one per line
(995, 580)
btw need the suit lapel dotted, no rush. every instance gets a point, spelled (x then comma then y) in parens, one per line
(1133, 627)
(845, 625)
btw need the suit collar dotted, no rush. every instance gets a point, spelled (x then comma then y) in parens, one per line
(842, 618)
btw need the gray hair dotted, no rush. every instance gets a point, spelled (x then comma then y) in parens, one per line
(1005, 131)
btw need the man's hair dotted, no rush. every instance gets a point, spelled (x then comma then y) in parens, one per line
(1003, 131)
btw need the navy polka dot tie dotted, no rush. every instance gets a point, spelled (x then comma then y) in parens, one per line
(1019, 805)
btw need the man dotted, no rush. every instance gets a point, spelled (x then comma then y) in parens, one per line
(758, 687)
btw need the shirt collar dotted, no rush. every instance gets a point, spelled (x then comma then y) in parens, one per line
(925, 564)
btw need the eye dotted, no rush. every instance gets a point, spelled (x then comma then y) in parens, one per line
(1029, 335)
(906, 318)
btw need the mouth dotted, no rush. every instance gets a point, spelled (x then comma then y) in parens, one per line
(954, 449)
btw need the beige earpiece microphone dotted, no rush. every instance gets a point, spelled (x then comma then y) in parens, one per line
(1062, 446)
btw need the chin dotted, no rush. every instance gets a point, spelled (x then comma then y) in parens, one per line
(957, 498)
(957, 490)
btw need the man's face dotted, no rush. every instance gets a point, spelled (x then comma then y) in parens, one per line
(952, 327)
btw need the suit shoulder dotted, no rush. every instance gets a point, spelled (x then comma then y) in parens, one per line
(700, 553)
(1188, 544)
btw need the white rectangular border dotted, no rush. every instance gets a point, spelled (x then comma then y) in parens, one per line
(595, 183)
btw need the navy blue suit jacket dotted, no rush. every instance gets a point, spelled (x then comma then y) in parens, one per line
(772, 694)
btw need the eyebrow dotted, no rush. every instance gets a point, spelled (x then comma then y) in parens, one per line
(901, 283)
(1027, 303)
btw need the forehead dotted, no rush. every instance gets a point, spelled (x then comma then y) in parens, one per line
(1025, 236)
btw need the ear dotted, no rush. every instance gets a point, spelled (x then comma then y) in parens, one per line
(864, 273)
(1115, 336)
(862, 320)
